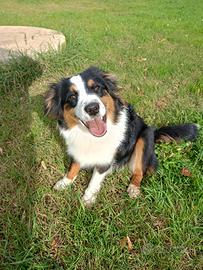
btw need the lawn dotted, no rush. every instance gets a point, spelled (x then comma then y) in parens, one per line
(156, 50)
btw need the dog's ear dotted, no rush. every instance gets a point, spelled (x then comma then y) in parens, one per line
(110, 81)
(53, 106)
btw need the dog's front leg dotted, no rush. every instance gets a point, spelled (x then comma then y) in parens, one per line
(94, 186)
(69, 177)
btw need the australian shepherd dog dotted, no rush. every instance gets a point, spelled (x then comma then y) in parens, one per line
(103, 132)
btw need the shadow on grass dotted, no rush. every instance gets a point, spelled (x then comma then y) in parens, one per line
(37, 106)
(18, 161)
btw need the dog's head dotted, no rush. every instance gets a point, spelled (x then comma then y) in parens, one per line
(87, 99)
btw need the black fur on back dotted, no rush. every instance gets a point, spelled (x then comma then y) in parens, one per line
(135, 126)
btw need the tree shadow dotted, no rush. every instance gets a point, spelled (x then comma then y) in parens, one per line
(20, 167)
(18, 161)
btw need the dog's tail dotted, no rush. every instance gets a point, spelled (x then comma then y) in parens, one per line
(176, 133)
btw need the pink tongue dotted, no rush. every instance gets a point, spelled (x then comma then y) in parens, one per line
(97, 127)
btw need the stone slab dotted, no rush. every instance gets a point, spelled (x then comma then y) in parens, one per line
(28, 40)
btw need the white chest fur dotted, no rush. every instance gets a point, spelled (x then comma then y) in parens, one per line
(88, 150)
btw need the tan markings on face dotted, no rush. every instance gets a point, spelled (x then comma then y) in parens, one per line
(90, 83)
(73, 171)
(110, 107)
(137, 159)
(69, 116)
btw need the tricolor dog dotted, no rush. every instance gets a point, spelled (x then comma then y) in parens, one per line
(102, 132)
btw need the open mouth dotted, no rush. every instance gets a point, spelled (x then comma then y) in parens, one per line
(97, 126)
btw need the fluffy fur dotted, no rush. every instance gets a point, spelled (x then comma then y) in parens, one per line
(103, 132)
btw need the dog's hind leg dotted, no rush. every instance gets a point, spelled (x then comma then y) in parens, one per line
(141, 160)
(69, 177)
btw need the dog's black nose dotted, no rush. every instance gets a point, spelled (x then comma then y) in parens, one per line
(92, 108)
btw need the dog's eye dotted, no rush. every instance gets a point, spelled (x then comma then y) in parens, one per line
(99, 90)
(72, 100)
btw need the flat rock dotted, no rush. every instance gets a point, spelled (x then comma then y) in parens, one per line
(28, 40)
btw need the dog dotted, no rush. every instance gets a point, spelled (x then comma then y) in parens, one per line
(103, 132)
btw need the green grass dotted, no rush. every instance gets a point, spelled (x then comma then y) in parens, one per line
(155, 49)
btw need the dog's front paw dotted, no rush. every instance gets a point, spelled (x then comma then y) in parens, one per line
(133, 191)
(88, 199)
(63, 183)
